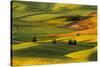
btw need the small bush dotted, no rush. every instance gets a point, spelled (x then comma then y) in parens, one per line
(34, 39)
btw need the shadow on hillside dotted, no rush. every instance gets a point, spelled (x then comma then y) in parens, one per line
(49, 50)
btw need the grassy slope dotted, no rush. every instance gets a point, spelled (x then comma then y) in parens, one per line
(24, 45)
(39, 32)
(82, 32)
(22, 8)
(89, 35)
(42, 17)
(82, 55)
(47, 52)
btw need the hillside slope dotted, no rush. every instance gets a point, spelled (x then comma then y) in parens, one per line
(84, 24)
(82, 55)
(83, 32)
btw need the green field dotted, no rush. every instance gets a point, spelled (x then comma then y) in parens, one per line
(29, 20)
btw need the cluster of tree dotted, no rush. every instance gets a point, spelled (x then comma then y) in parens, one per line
(72, 42)
(75, 18)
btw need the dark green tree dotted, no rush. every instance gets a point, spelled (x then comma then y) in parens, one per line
(34, 39)
(77, 34)
(69, 42)
(74, 42)
(73, 18)
(54, 41)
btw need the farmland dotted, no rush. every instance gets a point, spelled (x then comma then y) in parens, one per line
(39, 35)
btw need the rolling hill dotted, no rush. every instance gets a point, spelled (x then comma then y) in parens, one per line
(82, 32)
(42, 21)
(84, 24)
(82, 55)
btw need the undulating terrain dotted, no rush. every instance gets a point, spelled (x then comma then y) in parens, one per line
(52, 33)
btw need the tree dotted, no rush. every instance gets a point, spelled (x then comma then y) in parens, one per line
(73, 18)
(54, 41)
(34, 39)
(74, 42)
(77, 34)
(77, 17)
(69, 42)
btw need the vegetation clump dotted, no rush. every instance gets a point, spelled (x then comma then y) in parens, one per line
(72, 42)
(34, 39)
